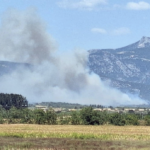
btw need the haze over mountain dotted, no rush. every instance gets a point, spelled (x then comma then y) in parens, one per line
(50, 75)
(7, 67)
(126, 68)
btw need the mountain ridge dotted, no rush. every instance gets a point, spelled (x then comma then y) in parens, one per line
(8, 66)
(128, 68)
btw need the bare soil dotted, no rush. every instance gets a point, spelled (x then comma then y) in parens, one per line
(11, 143)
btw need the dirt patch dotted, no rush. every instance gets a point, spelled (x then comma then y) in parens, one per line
(69, 144)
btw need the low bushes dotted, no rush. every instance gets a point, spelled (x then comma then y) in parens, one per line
(86, 116)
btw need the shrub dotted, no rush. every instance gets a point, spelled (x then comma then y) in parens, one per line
(117, 119)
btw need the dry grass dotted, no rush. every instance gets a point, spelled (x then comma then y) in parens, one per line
(62, 137)
(68, 144)
(79, 132)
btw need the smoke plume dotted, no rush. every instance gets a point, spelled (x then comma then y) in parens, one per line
(23, 37)
(65, 78)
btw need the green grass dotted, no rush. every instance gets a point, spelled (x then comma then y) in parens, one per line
(77, 136)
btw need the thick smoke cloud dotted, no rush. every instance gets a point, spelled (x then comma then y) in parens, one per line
(22, 34)
(65, 78)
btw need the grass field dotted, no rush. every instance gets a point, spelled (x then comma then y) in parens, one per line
(74, 137)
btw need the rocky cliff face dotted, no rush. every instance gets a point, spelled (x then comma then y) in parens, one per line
(127, 68)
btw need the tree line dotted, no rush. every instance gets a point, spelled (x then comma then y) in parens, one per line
(86, 116)
(13, 100)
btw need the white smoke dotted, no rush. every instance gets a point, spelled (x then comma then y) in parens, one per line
(23, 37)
(65, 78)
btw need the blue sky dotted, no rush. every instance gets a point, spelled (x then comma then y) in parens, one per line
(89, 24)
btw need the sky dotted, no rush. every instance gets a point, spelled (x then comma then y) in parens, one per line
(89, 24)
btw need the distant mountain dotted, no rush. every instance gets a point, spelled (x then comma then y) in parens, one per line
(127, 68)
(7, 67)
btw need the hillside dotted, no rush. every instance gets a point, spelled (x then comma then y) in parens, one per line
(7, 67)
(127, 68)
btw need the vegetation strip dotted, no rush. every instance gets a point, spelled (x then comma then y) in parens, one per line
(85, 116)
(104, 132)
(77, 136)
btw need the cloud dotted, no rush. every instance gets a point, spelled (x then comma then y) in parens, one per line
(121, 31)
(138, 6)
(116, 32)
(81, 4)
(99, 30)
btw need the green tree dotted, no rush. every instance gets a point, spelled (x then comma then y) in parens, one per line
(99, 118)
(86, 115)
(117, 119)
(131, 119)
(92, 117)
(147, 119)
(75, 118)
(39, 116)
(51, 117)
(27, 116)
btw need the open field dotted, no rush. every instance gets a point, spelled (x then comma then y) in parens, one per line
(74, 137)
(69, 144)
(104, 132)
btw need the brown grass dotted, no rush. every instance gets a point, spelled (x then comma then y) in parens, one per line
(106, 132)
(69, 144)
(61, 137)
